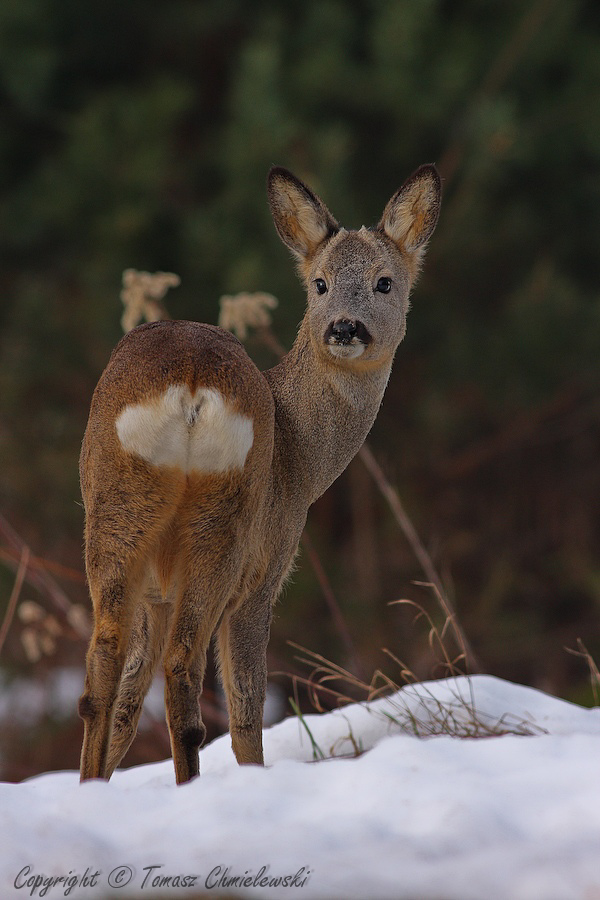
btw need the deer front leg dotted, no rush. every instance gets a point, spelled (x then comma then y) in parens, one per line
(243, 639)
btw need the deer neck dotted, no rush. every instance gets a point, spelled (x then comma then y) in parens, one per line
(323, 413)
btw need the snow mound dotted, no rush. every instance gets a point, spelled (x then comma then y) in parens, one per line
(512, 816)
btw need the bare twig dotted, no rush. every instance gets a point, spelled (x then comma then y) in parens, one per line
(330, 599)
(585, 654)
(14, 597)
(398, 511)
(37, 563)
(43, 581)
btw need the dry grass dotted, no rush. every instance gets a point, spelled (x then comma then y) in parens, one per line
(411, 706)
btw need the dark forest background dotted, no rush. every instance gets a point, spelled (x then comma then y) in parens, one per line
(140, 134)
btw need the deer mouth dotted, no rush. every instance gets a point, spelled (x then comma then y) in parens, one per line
(347, 338)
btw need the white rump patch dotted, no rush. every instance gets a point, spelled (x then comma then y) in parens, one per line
(195, 432)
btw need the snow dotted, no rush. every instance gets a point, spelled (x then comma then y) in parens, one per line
(445, 817)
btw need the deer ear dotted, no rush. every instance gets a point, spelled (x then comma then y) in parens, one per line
(301, 219)
(412, 213)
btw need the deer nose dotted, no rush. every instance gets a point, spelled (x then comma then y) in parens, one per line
(343, 331)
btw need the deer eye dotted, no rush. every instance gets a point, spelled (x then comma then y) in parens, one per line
(320, 285)
(384, 285)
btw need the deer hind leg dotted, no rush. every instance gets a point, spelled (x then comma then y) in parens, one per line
(146, 646)
(207, 587)
(113, 601)
(184, 674)
(242, 641)
(119, 551)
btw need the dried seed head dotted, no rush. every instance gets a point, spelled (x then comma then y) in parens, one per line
(239, 312)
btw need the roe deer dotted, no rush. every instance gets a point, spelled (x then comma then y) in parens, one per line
(197, 472)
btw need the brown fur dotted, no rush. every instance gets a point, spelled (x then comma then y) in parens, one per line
(171, 557)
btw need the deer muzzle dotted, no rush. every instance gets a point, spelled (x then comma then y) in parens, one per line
(347, 331)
